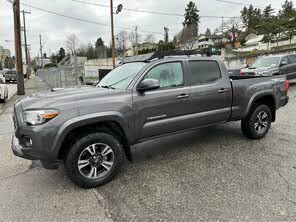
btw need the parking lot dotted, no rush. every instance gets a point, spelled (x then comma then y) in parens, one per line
(214, 174)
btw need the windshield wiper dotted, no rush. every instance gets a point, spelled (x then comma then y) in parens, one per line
(107, 87)
(120, 80)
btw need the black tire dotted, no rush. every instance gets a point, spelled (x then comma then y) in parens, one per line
(71, 163)
(248, 123)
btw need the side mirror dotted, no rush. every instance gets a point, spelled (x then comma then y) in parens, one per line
(283, 63)
(148, 84)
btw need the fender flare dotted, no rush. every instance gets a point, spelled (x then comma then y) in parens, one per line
(257, 96)
(84, 120)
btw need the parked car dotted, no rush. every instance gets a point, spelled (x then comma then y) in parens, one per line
(9, 75)
(3, 91)
(273, 65)
(90, 129)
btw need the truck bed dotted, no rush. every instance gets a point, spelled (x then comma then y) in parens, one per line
(245, 89)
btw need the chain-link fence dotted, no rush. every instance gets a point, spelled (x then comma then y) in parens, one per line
(66, 76)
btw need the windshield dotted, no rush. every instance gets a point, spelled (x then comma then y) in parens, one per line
(266, 62)
(120, 77)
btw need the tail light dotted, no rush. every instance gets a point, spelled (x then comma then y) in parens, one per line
(287, 85)
(240, 73)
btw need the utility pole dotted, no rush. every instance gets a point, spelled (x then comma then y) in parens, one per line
(112, 34)
(41, 54)
(26, 45)
(136, 32)
(222, 27)
(18, 48)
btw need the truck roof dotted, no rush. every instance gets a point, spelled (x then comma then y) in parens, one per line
(168, 55)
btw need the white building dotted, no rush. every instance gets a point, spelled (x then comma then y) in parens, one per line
(204, 42)
(254, 42)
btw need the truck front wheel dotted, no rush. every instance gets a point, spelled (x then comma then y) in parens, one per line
(257, 123)
(94, 160)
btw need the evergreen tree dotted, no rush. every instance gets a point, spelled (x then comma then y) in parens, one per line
(191, 17)
(99, 43)
(61, 54)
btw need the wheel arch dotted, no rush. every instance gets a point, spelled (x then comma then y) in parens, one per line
(266, 98)
(74, 129)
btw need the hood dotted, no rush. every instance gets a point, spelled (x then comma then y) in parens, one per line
(259, 69)
(58, 97)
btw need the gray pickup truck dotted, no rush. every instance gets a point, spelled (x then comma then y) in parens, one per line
(90, 130)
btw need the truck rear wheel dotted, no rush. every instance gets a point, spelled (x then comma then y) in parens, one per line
(257, 123)
(94, 160)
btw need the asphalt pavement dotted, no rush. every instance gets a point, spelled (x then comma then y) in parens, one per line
(214, 174)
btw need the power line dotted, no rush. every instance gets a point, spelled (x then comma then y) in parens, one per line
(85, 20)
(152, 12)
(238, 3)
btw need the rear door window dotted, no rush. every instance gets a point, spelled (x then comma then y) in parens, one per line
(1, 81)
(204, 72)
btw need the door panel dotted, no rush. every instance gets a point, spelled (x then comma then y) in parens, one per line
(211, 94)
(156, 111)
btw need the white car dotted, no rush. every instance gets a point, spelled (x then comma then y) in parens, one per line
(3, 91)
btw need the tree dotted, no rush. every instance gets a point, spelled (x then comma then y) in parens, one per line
(1, 66)
(122, 38)
(99, 43)
(134, 37)
(188, 36)
(287, 18)
(191, 17)
(71, 43)
(53, 58)
(208, 32)
(9, 62)
(44, 55)
(150, 38)
(267, 12)
(166, 35)
(233, 28)
(61, 54)
(251, 18)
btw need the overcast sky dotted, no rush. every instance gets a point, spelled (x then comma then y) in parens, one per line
(54, 29)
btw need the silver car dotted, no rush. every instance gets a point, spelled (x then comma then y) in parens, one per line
(3, 91)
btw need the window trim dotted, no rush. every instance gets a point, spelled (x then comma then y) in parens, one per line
(158, 64)
(208, 83)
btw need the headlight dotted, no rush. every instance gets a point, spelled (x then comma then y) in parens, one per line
(38, 117)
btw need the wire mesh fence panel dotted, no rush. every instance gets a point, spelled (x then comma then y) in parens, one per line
(66, 76)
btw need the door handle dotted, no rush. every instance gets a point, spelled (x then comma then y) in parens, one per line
(222, 90)
(183, 96)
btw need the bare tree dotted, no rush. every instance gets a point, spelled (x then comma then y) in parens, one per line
(122, 38)
(134, 37)
(232, 29)
(71, 43)
(187, 38)
(150, 38)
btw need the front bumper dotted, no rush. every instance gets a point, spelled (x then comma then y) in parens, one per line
(40, 137)
(18, 149)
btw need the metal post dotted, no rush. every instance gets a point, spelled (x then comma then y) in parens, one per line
(136, 47)
(25, 38)
(41, 51)
(112, 34)
(18, 48)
